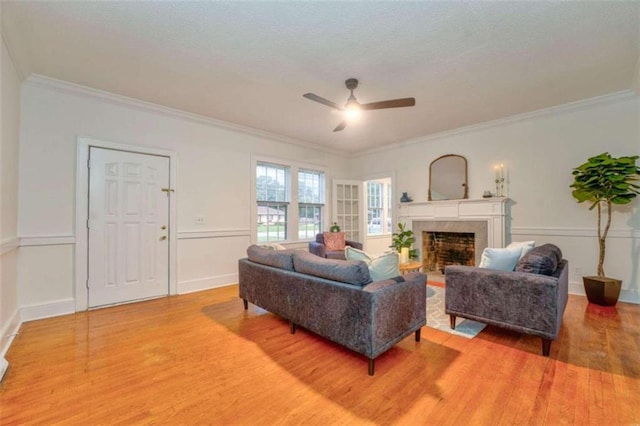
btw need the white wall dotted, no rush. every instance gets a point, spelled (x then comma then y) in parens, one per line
(9, 142)
(214, 169)
(539, 151)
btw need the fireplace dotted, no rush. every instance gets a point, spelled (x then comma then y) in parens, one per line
(485, 219)
(447, 248)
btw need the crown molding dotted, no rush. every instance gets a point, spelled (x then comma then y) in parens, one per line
(568, 107)
(17, 65)
(41, 81)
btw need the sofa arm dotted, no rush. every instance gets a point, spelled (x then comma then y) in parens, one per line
(525, 302)
(354, 244)
(398, 309)
(318, 249)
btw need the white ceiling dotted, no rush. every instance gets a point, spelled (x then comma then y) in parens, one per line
(249, 63)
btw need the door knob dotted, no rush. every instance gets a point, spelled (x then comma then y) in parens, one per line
(163, 227)
(164, 237)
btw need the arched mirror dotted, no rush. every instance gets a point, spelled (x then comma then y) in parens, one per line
(448, 178)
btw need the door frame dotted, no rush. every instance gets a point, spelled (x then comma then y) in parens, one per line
(82, 213)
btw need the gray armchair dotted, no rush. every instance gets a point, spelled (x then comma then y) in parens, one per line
(318, 248)
(529, 300)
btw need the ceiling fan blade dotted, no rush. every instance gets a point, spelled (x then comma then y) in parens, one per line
(322, 100)
(340, 126)
(394, 103)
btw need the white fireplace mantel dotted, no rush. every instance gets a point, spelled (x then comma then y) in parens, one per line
(493, 211)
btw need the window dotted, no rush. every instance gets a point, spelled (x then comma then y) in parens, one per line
(374, 207)
(379, 206)
(310, 203)
(272, 193)
(280, 214)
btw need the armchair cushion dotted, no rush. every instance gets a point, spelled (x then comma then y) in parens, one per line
(334, 240)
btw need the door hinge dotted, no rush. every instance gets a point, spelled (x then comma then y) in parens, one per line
(88, 224)
(89, 163)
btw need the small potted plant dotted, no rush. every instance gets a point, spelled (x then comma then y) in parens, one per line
(604, 181)
(335, 227)
(401, 241)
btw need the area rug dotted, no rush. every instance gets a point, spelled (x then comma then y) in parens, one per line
(436, 318)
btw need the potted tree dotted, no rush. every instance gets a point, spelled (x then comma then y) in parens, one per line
(604, 181)
(401, 241)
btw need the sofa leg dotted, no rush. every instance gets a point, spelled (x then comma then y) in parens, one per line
(292, 327)
(546, 346)
(245, 303)
(371, 366)
(452, 322)
(418, 334)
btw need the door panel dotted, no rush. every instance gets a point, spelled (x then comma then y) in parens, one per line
(128, 248)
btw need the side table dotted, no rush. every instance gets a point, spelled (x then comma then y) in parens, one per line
(410, 267)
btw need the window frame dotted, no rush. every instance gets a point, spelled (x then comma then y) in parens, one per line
(292, 232)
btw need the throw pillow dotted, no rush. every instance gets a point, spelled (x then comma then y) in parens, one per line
(334, 240)
(502, 259)
(541, 260)
(381, 267)
(525, 245)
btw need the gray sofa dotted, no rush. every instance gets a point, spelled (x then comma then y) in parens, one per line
(529, 300)
(334, 299)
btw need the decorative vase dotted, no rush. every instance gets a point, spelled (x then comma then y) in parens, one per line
(334, 228)
(602, 291)
(405, 198)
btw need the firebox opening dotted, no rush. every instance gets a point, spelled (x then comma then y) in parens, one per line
(447, 248)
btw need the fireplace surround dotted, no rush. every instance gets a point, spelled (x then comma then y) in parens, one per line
(485, 218)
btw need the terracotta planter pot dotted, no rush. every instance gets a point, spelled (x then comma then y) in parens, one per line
(602, 291)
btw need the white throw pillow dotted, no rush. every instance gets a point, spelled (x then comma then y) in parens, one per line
(503, 259)
(525, 245)
(381, 267)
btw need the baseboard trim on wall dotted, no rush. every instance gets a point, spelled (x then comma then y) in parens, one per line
(47, 310)
(627, 296)
(10, 331)
(207, 283)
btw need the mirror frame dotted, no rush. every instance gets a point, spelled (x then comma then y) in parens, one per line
(465, 194)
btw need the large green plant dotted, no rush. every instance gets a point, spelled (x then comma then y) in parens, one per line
(403, 238)
(603, 181)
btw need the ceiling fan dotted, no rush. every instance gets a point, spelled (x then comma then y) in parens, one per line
(353, 104)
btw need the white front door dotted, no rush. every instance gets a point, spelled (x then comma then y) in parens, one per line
(128, 226)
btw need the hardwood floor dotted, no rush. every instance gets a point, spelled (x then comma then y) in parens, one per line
(201, 359)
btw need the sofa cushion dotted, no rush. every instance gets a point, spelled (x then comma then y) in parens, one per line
(525, 245)
(353, 272)
(277, 258)
(381, 267)
(334, 240)
(502, 259)
(541, 260)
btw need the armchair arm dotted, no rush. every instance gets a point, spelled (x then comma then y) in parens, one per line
(354, 244)
(318, 249)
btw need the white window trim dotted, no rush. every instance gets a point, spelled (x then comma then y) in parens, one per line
(292, 219)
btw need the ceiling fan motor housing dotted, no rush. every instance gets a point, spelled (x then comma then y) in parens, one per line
(351, 83)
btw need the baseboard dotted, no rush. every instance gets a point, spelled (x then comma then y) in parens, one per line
(207, 283)
(627, 296)
(47, 310)
(3, 368)
(9, 332)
